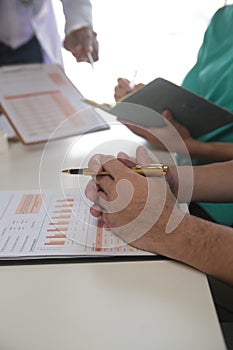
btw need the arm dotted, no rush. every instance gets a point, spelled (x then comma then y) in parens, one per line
(201, 244)
(203, 183)
(211, 151)
(80, 37)
(211, 183)
(143, 212)
(176, 138)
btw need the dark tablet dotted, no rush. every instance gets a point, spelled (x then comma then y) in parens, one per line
(199, 115)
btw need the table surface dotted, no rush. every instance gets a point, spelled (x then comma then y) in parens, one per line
(99, 305)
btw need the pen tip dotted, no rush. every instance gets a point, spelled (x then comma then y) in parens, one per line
(66, 171)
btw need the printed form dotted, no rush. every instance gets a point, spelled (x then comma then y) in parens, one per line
(46, 224)
(41, 104)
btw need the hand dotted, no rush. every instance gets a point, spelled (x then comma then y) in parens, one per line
(136, 208)
(182, 130)
(123, 88)
(81, 41)
(174, 137)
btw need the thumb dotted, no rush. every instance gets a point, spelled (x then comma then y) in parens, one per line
(167, 114)
(142, 156)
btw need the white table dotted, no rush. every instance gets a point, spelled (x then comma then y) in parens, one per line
(89, 306)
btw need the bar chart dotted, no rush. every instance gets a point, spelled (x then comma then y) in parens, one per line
(52, 224)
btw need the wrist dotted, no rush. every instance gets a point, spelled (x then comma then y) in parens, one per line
(172, 179)
(195, 147)
(175, 243)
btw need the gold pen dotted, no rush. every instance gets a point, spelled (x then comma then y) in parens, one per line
(149, 170)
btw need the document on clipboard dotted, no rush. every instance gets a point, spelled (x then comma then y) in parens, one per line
(41, 103)
(48, 224)
(198, 114)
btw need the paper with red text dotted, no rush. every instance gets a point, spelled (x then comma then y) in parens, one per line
(42, 104)
(47, 224)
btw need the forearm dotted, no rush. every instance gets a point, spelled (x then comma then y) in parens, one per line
(211, 151)
(211, 183)
(203, 245)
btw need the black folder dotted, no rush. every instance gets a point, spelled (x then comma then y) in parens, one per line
(144, 107)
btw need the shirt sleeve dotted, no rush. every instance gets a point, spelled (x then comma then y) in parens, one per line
(78, 14)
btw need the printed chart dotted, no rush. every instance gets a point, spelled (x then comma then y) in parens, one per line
(51, 224)
(43, 104)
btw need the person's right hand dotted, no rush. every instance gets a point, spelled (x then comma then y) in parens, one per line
(123, 88)
(81, 41)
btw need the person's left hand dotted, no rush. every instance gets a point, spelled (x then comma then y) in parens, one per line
(135, 207)
(173, 137)
(81, 41)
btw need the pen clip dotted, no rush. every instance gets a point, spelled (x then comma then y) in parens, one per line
(154, 169)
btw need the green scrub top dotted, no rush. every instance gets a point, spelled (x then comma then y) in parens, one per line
(212, 78)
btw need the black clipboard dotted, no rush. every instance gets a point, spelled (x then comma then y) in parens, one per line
(198, 114)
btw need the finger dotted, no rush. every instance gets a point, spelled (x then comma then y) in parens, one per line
(139, 86)
(96, 211)
(102, 201)
(114, 167)
(142, 156)
(106, 185)
(124, 84)
(75, 43)
(86, 34)
(167, 114)
(83, 43)
(95, 163)
(125, 159)
(95, 48)
(116, 196)
(91, 191)
(80, 54)
(119, 93)
(76, 51)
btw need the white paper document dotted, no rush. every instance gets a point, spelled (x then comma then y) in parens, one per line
(41, 104)
(46, 224)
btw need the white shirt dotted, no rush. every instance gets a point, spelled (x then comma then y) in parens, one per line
(19, 22)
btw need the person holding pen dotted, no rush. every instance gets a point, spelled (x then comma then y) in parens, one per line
(28, 32)
(144, 212)
(212, 78)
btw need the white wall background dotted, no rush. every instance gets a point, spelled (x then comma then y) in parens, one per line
(154, 37)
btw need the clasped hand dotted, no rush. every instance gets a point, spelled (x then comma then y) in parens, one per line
(135, 207)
